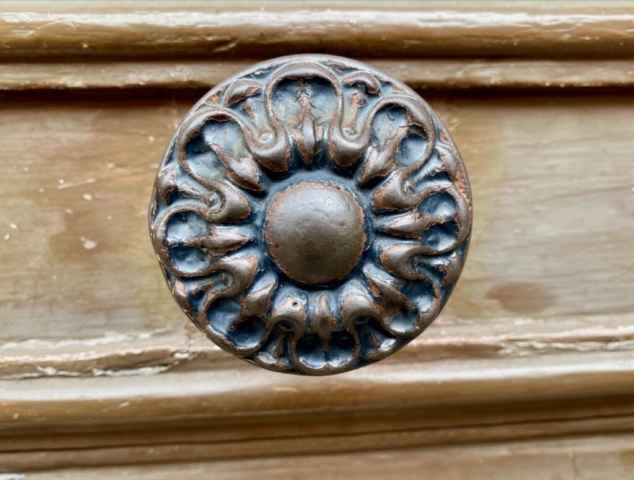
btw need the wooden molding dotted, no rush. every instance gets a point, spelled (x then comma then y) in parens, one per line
(197, 416)
(547, 377)
(522, 381)
(170, 44)
(588, 457)
(357, 29)
(152, 352)
(419, 74)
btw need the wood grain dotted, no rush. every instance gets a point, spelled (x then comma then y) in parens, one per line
(251, 413)
(420, 74)
(358, 29)
(591, 458)
(167, 44)
(541, 348)
(78, 174)
(526, 374)
(152, 352)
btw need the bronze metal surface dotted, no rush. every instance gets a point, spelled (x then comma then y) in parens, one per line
(315, 232)
(311, 215)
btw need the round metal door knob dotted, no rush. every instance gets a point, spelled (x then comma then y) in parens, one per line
(311, 215)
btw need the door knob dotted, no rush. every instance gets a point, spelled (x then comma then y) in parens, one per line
(311, 215)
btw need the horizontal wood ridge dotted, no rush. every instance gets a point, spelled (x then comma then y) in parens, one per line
(170, 44)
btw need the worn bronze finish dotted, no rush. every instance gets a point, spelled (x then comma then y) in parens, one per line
(315, 232)
(311, 215)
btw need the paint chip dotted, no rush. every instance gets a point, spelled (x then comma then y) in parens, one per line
(13, 226)
(87, 196)
(12, 476)
(87, 243)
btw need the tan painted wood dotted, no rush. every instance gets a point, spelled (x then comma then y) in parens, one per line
(420, 74)
(249, 413)
(172, 444)
(528, 372)
(591, 458)
(232, 391)
(552, 180)
(404, 29)
(151, 352)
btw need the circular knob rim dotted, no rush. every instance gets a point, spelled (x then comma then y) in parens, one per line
(311, 215)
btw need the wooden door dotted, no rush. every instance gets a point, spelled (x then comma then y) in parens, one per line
(529, 371)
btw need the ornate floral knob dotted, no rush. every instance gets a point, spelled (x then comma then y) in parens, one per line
(311, 215)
